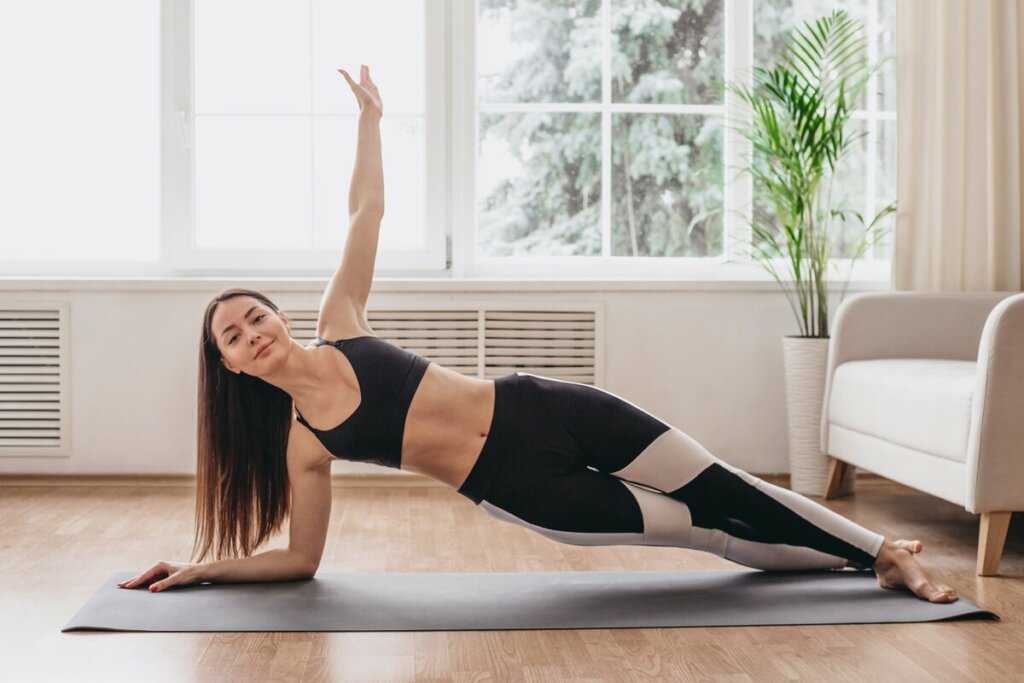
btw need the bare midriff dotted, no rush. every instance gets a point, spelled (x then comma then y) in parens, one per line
(447, 424)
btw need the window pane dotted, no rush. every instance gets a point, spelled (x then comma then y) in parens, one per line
(386, 35)
(885, 183)
(670, 51)
(253, 182)
(774, 19)
(666, 172)
(251, 58)
(887, 49)
(849, 193)
(276, 123)
(539, 51)
(404, 158)
(539, 184)
(80, 131)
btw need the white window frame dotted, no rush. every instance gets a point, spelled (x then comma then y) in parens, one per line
(179, 217)
(734, 264)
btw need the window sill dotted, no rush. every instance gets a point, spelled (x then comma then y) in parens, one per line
(413, 284)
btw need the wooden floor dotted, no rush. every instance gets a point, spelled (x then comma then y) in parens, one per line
(61, 537)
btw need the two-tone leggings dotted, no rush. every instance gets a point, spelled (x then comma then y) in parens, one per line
(583, 466)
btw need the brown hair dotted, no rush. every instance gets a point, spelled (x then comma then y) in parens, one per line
(242, 492)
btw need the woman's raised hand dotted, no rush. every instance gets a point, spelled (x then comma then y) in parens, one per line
(365, 91)
(167, 574)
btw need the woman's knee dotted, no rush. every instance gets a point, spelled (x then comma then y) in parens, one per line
(669, 462)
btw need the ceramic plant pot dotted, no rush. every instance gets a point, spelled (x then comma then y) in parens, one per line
(806, 361)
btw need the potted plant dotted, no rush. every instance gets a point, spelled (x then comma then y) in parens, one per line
(796, 122)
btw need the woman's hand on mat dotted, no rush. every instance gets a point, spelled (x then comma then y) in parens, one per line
(365, 91)
(167, 574)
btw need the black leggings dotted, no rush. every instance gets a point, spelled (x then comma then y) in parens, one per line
(583, 466)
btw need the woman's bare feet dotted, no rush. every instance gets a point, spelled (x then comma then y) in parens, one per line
(896, 567)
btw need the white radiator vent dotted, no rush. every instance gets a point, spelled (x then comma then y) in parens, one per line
(33, 379)
(487, 343)
(558, 344)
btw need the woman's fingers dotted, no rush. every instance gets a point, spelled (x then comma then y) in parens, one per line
(169, 574)
(131, 583)
(364, 76)
(144, 576)
(366, 90)
(357, 88)
(368, 82)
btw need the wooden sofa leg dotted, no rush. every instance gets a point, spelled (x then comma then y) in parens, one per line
(991, 537)
(836, 470)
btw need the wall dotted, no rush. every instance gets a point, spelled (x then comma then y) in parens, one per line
(705, 357)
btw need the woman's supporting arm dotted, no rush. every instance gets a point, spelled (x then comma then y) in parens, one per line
(280, 564)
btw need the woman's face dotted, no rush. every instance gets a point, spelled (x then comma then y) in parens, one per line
(242, 326)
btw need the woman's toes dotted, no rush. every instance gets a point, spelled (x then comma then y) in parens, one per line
(910, 546)
(944, 594)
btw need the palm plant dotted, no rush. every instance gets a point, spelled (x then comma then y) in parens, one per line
(799, 109)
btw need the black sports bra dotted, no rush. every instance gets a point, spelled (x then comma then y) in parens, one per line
(388, 378)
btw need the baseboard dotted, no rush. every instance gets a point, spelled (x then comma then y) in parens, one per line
(189, 480)
(398, 479)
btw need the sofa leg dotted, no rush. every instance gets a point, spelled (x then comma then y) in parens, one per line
(991, 537)
(836, 470)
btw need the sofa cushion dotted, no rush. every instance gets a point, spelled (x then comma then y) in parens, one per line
(924, 404)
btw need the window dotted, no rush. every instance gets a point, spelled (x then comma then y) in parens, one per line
(543, 138)
(80, 135)
(275, 132)
(601, 133)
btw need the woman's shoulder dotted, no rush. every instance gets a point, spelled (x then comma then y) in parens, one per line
(343, 332)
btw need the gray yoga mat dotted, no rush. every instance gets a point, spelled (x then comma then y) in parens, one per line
(427, 601)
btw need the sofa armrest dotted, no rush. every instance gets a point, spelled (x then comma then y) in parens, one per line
(906, 325)
(995, 442)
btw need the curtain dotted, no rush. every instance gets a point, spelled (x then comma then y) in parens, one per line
(960, 76)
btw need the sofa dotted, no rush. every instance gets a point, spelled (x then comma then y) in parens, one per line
(927, 389)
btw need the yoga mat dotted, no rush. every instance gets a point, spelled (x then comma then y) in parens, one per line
(428, 601)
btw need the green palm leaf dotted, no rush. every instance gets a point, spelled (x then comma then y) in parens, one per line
(797, 112)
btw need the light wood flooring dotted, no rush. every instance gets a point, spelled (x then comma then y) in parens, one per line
(61, 537)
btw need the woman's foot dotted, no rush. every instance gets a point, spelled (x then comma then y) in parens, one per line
(911, 546)
(896, 567)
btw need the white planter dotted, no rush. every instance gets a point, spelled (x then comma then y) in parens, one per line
(806, 361)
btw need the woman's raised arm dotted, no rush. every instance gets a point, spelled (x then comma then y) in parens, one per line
(346, 294)
(367, 188)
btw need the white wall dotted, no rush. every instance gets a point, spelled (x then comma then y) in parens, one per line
(705, 357)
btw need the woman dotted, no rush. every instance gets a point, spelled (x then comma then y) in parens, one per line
(573, 462)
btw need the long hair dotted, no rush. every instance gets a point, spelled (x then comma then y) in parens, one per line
(242, 492)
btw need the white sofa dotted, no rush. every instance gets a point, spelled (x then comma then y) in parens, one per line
(927, 389)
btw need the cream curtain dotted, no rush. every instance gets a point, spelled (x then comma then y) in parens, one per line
(960, 155)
